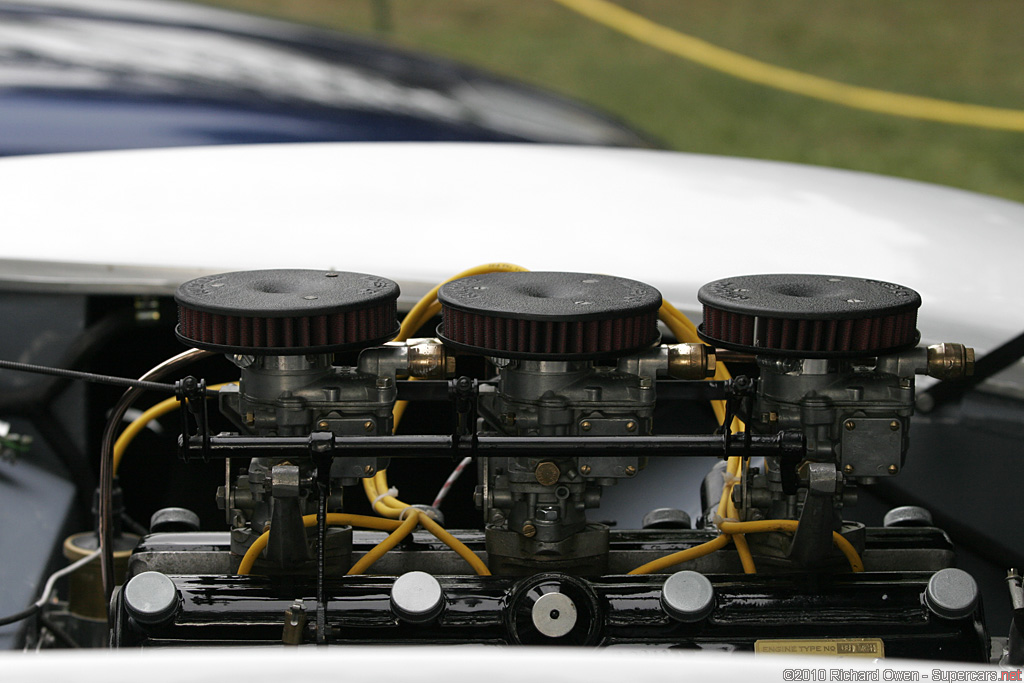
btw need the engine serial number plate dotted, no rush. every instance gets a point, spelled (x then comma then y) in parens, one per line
(830, 647)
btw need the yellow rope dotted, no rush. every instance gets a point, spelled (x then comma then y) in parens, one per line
(734, 64)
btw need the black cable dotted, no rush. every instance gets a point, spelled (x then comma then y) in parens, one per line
(19, 616)
(59, 633)
(87, 376)
(132, 525)
(106, 529)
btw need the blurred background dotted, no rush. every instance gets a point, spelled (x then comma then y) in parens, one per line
(946, 49)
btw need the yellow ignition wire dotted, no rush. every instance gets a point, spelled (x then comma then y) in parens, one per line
(746, 557)
(378, 551)
(683, 556)
(399, 531)
(417, 315)
(139, 423)
(333, 519)
(685, 331)
(790, 525)
(455, 544)
(727, 510)
(425, 309)
(735, 530)
(370, 484)
(386, 506)
(412, 519)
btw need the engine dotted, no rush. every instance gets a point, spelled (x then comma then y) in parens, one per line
(550, 388)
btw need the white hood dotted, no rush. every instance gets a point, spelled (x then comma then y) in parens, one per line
(418, 213)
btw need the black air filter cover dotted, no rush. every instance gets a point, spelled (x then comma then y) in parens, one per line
(286, 312)
(809, 316)
(549, 316)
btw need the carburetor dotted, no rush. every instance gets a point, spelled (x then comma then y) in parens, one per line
(837, 362)
(559, 404)
(281, 328)
(576, 355)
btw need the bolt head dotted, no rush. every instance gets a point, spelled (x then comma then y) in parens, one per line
(894, 425)
(893, 469)
(848, 469)
(529, 530)
(369, 470)
(322, 424)
(584, 469)
(368, 426)
(585, 425)
(631, 426)
(630, 471)
(850, 425)
(548, 513)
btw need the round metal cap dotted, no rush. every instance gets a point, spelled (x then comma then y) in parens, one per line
(908, 515)
(554, 614)
(688, 596)
(151, 598)
(417, 597)
(173, 519)
(951, 594)
(666, 518)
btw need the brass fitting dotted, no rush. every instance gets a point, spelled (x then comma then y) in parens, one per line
(547, 473)
(428, 360)
(950, 361)
(691, 361)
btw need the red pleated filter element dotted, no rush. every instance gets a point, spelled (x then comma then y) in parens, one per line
(549, 316)
(809, 316)
(286, 312)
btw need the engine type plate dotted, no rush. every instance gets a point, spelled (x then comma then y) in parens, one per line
(829, 647)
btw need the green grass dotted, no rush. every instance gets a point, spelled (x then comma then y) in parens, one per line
(951, 49)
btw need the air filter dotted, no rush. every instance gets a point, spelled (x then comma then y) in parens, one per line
(549, 316)
(286, 312)
(810, 316)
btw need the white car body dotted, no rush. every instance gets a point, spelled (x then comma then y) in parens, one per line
(145, 221)
(421, 212)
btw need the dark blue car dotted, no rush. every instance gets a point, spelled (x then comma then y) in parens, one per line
(77, 76)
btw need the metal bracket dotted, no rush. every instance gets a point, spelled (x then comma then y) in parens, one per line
(191, 393)
(465, 391)
(812, 542)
